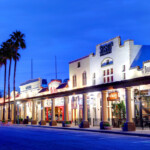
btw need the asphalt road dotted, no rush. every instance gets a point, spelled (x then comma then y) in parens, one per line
(26, 138)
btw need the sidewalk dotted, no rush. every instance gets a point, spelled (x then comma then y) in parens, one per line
(142, 133)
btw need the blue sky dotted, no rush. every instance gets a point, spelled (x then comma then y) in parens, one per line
(69, 30)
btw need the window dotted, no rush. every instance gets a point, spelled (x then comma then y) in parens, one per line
(94, 81)
(74, 81)
(124, 76)
(111, 70)
(104, 73)
(78, 65)
(123, 68)
(112, 78)
(108, 75)
(84, 78)
(107, 62)
(28, 87)
(107, 71)
(93, 75)
(108, 79)
(104, 80)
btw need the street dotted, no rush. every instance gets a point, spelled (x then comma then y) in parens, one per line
(26, 138)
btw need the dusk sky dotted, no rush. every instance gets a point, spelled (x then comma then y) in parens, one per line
(69, 30)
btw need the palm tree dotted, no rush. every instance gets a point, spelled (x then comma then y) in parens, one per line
(19, 42)
(3, 60)
(11, 56)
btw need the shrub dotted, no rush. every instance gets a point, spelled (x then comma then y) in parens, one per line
(122, 125)
(106, 125)
(21, 119)
(3, 121)
(67, 122)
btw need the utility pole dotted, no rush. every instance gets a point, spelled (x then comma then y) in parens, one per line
(55, 67)
(31, 69)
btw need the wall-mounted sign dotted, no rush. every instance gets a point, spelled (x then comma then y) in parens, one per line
(113, 96)
(106, 49)
(28, 87)
(146, 70)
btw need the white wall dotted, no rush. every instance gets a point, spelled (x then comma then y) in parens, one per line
(74, 70)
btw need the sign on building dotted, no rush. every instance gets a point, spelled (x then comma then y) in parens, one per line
(113, 96)
(106, 49)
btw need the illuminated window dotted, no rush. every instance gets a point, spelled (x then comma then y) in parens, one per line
(74, 81)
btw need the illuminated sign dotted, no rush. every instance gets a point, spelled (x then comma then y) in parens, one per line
(113, 96)
(106, 49)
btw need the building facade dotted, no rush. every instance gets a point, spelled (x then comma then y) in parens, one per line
(109, 86)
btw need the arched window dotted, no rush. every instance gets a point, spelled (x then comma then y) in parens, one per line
(74, 79)
(84, 78)
(107, 61)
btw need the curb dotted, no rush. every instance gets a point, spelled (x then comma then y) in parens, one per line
(99, 131)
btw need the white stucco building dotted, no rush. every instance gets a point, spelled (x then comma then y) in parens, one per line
(98, 84)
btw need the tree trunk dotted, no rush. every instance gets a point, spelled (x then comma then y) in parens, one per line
(4, 92)
(15, 90)
(9, 89)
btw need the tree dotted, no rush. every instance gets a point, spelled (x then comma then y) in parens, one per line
(12, 54)
(19, 43)
(119, 110)
(3, 60)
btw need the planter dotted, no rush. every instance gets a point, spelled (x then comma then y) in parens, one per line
(107, 127)
(25, 121)
(3, 123)
(9, 123)
(67, 125)
(21, 122)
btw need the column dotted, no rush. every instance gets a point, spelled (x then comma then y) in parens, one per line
(53, 121)
(104, 110)
(1, 117)
(129, 125)
(12, 112)
(98, 106)
(6, 112)
(25, 110)
(66, 113)
(84, 123)
(43, 122)
(66, 117)
(33, 113)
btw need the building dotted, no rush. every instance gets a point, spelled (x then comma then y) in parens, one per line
(116, 75)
